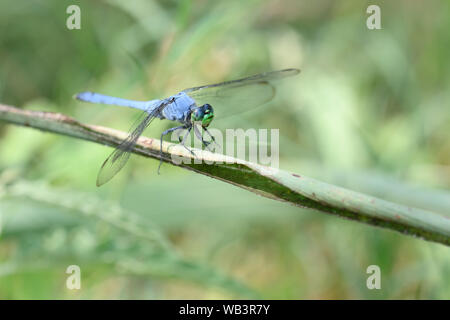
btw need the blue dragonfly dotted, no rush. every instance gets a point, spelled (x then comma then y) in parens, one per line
(192, 108)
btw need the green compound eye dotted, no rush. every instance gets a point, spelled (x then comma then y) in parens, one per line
(205, 114)
(208, 115)
(197, 114)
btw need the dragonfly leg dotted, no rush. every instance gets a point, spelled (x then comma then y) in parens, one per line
(161, 141)
(211, 136)
(200, 137)
(183, 141)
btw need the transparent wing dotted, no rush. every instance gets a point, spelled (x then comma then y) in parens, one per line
(261, 77)
(236, 96)
(119, 157)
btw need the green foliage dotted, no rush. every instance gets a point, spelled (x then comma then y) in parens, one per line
(368, 111)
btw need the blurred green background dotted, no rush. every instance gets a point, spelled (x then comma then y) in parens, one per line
(369, 112)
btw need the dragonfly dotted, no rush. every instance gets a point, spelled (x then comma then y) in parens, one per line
(192, 108)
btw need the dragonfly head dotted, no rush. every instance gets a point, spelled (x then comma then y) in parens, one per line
(203, 114)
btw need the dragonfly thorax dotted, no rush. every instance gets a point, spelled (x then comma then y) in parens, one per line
(203, 114)
(178, 107)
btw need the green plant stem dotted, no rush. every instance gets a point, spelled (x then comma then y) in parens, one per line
(275, 184)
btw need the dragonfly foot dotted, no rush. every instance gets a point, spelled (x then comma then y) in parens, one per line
(159, 166)
(190, 151)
